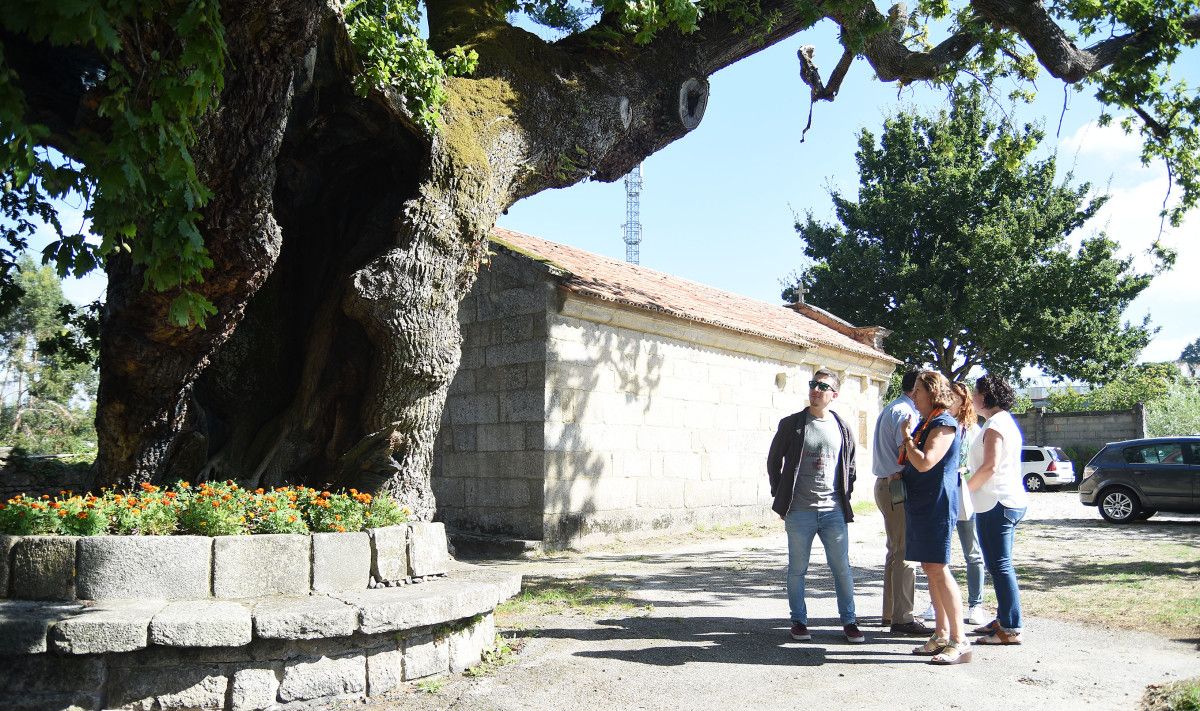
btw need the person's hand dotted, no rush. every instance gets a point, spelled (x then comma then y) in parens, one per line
(910, 424)
(895, 476)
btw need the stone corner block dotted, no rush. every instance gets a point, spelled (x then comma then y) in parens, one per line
(389, 552)
(6, 546)
(467, 645)
(254, 566)
(144, 567)
(313, 617)
(43, 568)
(201, 623)
(412, 606)
(340, 562)
(110, 626)
(428, 553)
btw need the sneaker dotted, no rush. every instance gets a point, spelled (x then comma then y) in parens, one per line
(916, 628)
(928, 614)
(976, 615)
(853, 635)
(800, 632)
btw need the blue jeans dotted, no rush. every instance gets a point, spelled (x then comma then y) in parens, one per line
(802, 525)
(996, 529)
(974, 558)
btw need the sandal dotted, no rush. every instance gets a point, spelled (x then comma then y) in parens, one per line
(953, 653)
(989, 628)
(934, 645)
(1000, 637)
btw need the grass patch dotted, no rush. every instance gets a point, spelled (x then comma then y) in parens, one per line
(1177, 696)
(502, 653)
(432, 685)
(1126, 582)
(864, 506)
(745, 529)
(548, 596)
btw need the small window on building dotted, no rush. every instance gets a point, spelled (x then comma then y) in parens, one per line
(781, 381)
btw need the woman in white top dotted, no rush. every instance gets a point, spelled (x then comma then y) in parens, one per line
(1000, 502)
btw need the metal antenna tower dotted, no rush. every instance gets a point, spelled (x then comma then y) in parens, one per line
(633, 221)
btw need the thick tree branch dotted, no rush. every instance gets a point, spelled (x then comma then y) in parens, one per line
(1053, 46)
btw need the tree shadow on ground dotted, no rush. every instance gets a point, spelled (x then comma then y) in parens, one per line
(729, 640)
(718, 578)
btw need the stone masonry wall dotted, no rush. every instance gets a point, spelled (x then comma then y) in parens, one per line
(1086, 430)
(656, 423)
(487, 474)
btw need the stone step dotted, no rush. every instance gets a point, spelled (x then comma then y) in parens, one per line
(115, 626)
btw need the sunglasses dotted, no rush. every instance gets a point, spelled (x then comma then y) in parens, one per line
(819, 385)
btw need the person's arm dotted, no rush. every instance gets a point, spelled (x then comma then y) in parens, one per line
(775, 455)
(991, 457)
(853, 468)
(936, 446)
(904, 426)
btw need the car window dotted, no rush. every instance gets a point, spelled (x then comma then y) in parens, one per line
(1165, 453)
(1192, 452)
(1059, 455)
(1032, 455)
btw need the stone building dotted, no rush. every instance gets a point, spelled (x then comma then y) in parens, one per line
(598, 398)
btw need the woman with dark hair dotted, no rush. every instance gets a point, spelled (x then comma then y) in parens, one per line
(930, 458)
(1000, 502)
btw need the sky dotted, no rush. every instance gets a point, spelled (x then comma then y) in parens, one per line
(718, 206)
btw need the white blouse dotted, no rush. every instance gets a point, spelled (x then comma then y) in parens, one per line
(1004, 486)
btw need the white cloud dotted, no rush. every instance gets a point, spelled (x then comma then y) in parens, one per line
(1107, 142)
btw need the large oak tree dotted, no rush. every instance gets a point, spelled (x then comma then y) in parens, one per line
(958, 242)
(315, 183)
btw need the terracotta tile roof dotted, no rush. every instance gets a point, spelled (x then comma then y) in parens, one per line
(603, 278)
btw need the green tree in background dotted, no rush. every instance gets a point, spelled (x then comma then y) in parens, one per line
(957, 243)
(48, 403)
(1191, 357)
(1176, 412)
(1145, 383)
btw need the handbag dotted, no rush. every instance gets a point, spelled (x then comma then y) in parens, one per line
(897, 490)
(966, 508)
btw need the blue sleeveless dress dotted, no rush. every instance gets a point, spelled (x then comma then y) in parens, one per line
(931, 505)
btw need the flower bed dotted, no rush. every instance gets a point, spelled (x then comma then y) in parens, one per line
(208, 509)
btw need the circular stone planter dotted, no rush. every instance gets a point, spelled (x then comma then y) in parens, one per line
(236, 623)
(226, 567)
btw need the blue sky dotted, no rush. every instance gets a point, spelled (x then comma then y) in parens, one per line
(717, 205)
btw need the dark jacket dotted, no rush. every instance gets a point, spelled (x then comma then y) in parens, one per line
(784, 458)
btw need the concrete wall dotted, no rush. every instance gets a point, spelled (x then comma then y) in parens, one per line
(572, 420)
(1086, 430)
(488, 466)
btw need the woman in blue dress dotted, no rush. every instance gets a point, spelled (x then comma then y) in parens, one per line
(930, 458)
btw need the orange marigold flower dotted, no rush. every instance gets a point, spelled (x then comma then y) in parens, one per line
(260, 490)
(46, 497)
(226, 497)
(81, 514)
(216, 504)
(184, 485)
(337, 517)
(63, 514)
(62, 492)
(171, 495)
(354, 492)
(55, 505)
(272, 509)
(291, 519)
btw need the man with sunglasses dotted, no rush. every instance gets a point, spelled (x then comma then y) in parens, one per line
(811, 469)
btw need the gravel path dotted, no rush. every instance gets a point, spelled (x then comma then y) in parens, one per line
(716, 634)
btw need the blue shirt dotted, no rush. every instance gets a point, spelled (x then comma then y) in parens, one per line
(889, 434)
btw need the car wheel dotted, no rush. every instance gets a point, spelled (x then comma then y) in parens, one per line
(1119, 505)
(1033, 482)
(1146, 513)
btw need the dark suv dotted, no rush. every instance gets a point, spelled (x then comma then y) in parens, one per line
(1135, 479)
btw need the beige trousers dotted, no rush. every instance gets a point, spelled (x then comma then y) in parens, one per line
(899, 575)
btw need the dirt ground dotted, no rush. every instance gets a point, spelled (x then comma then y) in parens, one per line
(705, 622)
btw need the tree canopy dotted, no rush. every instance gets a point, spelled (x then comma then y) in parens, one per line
(313, 182)
(958, 243)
